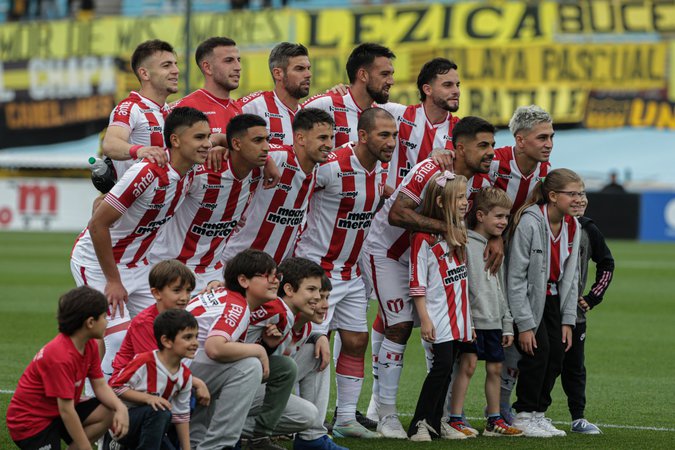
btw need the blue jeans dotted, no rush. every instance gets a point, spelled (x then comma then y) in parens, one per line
(147, 428)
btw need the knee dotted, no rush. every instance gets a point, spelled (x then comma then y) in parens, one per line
(251, 368)
(354, 344)
(283, 368)
(399, 333)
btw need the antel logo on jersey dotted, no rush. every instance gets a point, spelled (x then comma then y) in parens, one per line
(356, 221)
(406, 121)
(454, 275)
(349, 173)
(274, 115)
(424, 171)
(234, 315)
(338, 109)
(123, 108)
(286, 216)
(259, 314)
(217, 229)
(143, 184)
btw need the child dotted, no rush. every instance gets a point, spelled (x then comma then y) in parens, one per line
(156, 385)
(573, 377)
(47, 406)
(491, 317)
(542, 280)
(438, 286)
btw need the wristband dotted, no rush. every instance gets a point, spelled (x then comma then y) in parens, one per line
(133, 151)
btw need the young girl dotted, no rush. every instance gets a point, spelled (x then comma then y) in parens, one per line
(542, 292)
(438, 286)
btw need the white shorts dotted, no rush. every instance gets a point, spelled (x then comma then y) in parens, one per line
(389, 280)
(135, 281)
(202, 279)
(347, 306)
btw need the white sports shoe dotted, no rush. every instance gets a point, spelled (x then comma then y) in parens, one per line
(544, 423)
(390, 427)
(525, 421)
(422, 434)
(449, 432)
(372, 413)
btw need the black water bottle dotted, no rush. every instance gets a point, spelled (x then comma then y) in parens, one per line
(102, 174)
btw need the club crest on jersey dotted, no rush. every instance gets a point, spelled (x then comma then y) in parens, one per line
(395, 305)
(455, 275)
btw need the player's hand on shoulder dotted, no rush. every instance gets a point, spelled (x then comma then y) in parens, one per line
(117, 296)
(153, 154)
(271, 174)
(339, 89)
(444, 158)
(212, 286)
(217, 154)
(494, 254)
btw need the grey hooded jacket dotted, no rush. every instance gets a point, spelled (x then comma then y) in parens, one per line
(528, 269)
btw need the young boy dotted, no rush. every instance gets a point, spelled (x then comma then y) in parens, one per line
(157, 386)
(46, 407)
(573, 377)
(492, 320)
(231, 369)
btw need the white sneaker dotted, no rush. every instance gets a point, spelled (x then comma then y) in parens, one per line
(372, 413)
(525, 421)
(390, 427)
(449, 432)
(544, 423)
(422, 434)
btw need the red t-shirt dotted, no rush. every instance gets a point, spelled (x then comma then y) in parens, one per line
(58, 370)
(140, 338)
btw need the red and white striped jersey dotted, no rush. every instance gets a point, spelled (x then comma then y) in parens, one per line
(392, 242)
(505, 175)
(344, 111)
(442, 278)
(340, 213)
(275, 312)
(145, 121)
(202, 225)
(559, 248)
(218, 110)
(275, 215)
(220, 313)
(146, 373)
(278, 116)
(147, 196)
(417, 137)
(296, 339)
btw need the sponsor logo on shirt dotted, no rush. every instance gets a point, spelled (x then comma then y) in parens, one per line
(233, 316)
(147, 111)
(338, 109)
(455, 275)
(345, 130)
(209, 299)
(406, 121)
(284, 187)
(349, 173)
(212, 186)
(409, 144)
(285, 165)
(447, 137)
(290, 217)
(155, 129)
(277, 135)
(143, 184)
(502, 175)
(208, 113)
(156, 206)
(216, 130)
(123, 108)
(152, 226)
(356, 221)
(348, 194)
(274, 115)
(217, 229)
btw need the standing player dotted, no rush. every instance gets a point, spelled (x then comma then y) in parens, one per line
(110, 254)
(290, 68)
(137, 122)
(387, 252)
(274, 218)
(349, 187)
(371, 75)
(218, 59)
(215, 202)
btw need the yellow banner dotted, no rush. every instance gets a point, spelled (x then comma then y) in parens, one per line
(615, 16)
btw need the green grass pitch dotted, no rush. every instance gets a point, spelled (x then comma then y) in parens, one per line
(629, 350)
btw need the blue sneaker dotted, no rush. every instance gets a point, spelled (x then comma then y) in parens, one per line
(583, 426)
(507, 413)
(322, 443)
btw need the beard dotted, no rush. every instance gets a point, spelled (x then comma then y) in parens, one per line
(297, 91)
(380, 96)
(444, 104)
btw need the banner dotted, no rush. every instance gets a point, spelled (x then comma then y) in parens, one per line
(657, 216)
(610, 111)
(45, 204)
(615, 16)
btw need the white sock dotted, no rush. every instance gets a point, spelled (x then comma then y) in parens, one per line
(390, 366)
(376, 339)
(349, 379)
(112, 342)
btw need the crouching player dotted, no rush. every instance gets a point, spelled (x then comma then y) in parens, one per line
(157, 386)
(47, 406)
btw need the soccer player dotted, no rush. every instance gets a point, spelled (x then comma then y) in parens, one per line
(110, 254)
(386, 254)
(290, 68)
(349, 188)
(47, 406)
(136, 124)
(371, 75)
(215, 202)
(275, 215)
(156, 385)
(517, 169)
(232, 369)
(219, 61)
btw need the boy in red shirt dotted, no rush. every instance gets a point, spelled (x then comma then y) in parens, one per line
(46, 407)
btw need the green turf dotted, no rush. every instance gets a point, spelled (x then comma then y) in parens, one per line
(630, 360)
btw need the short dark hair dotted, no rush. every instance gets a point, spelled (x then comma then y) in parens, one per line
(430, 70)
(77, 305)
(306, 118)
(147, 49)
(326, 284)
(363, 56)
(368, 117)
(166, 272)
(295, 269)
(181, 116)
(470, 126)
(247, 263)
(206, 48)
(238, 125)
(171, 322)
(284, 51)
